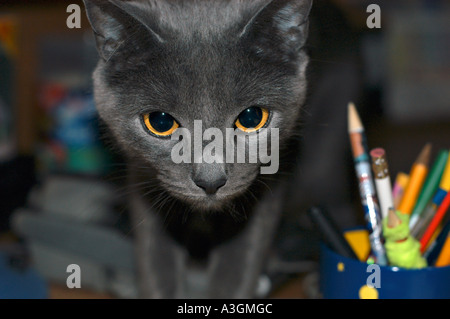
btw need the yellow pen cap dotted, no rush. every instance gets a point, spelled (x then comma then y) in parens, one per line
(445, 179)
(402, 179)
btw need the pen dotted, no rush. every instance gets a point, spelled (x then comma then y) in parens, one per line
(330, 232)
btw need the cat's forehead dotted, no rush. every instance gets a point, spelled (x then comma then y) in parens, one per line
(206, 17)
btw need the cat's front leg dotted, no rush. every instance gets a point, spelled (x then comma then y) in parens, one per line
(236, 266)
(160, 261)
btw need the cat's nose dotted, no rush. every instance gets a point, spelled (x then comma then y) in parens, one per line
(210, 186)
(209, 177)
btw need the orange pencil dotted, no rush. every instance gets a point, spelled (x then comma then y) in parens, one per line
(444, 256)
(417, 177)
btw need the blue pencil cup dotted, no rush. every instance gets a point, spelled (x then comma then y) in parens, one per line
(345, 278)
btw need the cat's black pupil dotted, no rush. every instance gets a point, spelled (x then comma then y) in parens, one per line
(162, 122)
(251, 117)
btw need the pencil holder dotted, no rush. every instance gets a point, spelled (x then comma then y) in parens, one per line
(345, 278)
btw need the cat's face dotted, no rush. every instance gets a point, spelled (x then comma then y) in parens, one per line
(166, 64)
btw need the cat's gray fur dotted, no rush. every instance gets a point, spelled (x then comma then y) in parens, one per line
(200, 60)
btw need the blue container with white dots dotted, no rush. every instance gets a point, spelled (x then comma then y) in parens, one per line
(346, 278)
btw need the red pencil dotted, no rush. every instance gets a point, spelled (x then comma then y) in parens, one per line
(440, 213)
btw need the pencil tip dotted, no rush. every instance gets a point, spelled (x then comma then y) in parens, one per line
(393, 219)
(354, 122)
(425, 154)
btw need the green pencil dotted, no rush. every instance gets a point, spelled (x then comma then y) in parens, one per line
(429, 187)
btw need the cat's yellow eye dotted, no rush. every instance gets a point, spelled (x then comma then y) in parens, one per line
(252, 119)
(160, 123)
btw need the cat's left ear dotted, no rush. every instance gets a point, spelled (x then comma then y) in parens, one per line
(119, 24)
(279, 29)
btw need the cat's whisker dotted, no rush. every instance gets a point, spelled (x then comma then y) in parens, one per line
(250, 192)
(169, 210)
(135, 226)
(265, 184)
(186, 214)
(130, 189)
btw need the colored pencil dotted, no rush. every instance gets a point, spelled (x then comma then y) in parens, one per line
(433, 250)
(417, 177)
(401, 181)
(420, 226)
(429, 187)
(444, 256)
(440, 213)
(366, 184)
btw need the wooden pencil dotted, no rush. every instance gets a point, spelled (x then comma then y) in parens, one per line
(417, 177)
(366, 184)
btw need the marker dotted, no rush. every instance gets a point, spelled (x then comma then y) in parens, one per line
(366, 184)
(401, 182)
(330, 232)
(382, 180)
(442, 210)
(417, 177)
(429, 187)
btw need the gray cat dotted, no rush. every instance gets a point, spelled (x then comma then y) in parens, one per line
(163, 65)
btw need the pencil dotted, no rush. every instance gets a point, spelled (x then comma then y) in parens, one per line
(430, 186)
(382, 180)
(444, 256)
(440, 213)
(421, 224)
(401, 181)
(417, 177)
(392, 219)
(402, 250)
(433, 250)
(366, 184)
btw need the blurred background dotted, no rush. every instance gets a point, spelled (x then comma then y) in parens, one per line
(58, 177)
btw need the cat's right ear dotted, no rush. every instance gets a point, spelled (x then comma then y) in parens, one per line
(279, 29)
(114, 22)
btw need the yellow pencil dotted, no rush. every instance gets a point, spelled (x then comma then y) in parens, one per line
(417, 177)
(444, 256)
